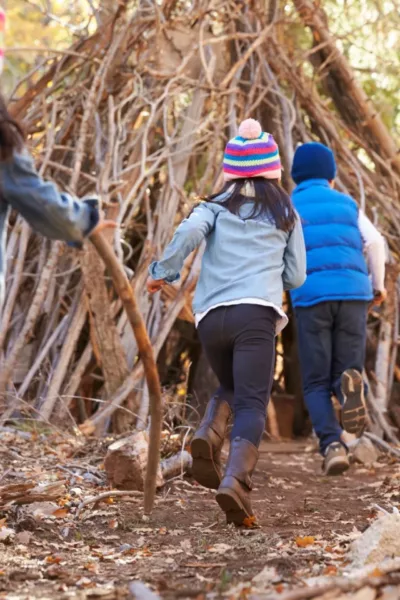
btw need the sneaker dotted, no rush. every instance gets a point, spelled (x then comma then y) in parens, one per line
(336, 459)
(354, 410)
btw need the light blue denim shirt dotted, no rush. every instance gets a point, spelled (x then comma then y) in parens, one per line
(54, 215)
(243, 258)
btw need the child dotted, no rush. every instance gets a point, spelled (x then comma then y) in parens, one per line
(331, 307)
(55, 215)
(254, 251)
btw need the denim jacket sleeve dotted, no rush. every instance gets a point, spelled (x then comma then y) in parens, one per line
(189, 235)
(295, 269)
(51, 213)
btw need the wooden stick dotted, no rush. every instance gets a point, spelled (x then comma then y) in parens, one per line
(41, 356)
(382, 444)
(15, 286)
(128, 299)
(31, 317)
(77, 321)
(104, 495)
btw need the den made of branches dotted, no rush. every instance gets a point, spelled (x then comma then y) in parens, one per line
(138, 113)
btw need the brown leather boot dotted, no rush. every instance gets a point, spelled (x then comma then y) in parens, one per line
(207, 443)
(233, 494)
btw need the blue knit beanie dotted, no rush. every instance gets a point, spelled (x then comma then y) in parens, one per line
(313, 161)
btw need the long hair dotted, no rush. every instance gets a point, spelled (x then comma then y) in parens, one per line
(11, 133)
(270, 201)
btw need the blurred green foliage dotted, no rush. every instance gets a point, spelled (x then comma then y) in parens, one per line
(368, 33)
(38, 27)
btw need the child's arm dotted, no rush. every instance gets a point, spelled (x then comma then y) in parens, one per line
(374, 244)
(295, 271)
(54, 215)
(187, 237)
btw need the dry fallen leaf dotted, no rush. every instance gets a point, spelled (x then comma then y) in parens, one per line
(84, 582)
(265, 577)
(92, 567)
(53, 560)
(199, 565)
(6, 534)
(376, 572)
(303, 542)
(186, 545)
(219, 548)
(330, 570)
(38, 510)
(250, 522)
(63, 501)
(61, 513)
(113, 524)
(23, 537)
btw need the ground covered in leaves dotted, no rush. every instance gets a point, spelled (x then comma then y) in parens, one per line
(55, 543)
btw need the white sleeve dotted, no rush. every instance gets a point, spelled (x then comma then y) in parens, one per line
(374, 243)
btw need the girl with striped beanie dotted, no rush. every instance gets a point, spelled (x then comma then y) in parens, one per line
(254, 250)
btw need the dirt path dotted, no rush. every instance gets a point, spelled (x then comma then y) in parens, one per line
(185, 550)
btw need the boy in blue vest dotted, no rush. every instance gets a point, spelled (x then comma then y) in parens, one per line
(332, 306)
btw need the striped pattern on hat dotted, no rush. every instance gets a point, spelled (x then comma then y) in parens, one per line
(252, 153)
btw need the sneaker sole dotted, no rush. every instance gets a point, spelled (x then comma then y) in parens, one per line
(354, 409)
(230, 503)
(204, 469)
(337, 466)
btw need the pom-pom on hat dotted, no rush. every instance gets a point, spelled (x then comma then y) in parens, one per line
(253, 153)
(313, 161)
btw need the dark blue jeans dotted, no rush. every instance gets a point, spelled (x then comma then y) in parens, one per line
(332, 338)
(239, 342)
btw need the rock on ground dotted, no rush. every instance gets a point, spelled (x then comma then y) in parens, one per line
(381, 541)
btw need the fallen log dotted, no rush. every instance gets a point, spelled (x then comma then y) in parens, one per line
(126, 460)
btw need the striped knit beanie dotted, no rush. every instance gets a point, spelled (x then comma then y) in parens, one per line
(252, 153)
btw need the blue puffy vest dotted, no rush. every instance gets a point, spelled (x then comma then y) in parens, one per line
(336, 267)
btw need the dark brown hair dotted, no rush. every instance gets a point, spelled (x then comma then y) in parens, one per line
(11, 133)
(270, 200)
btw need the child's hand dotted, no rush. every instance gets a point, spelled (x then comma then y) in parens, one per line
(154, 285)
(379, 297)
(104, 224)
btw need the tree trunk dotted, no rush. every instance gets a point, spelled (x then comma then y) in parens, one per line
(103, 329)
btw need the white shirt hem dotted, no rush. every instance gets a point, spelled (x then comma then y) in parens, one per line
(281, 322)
